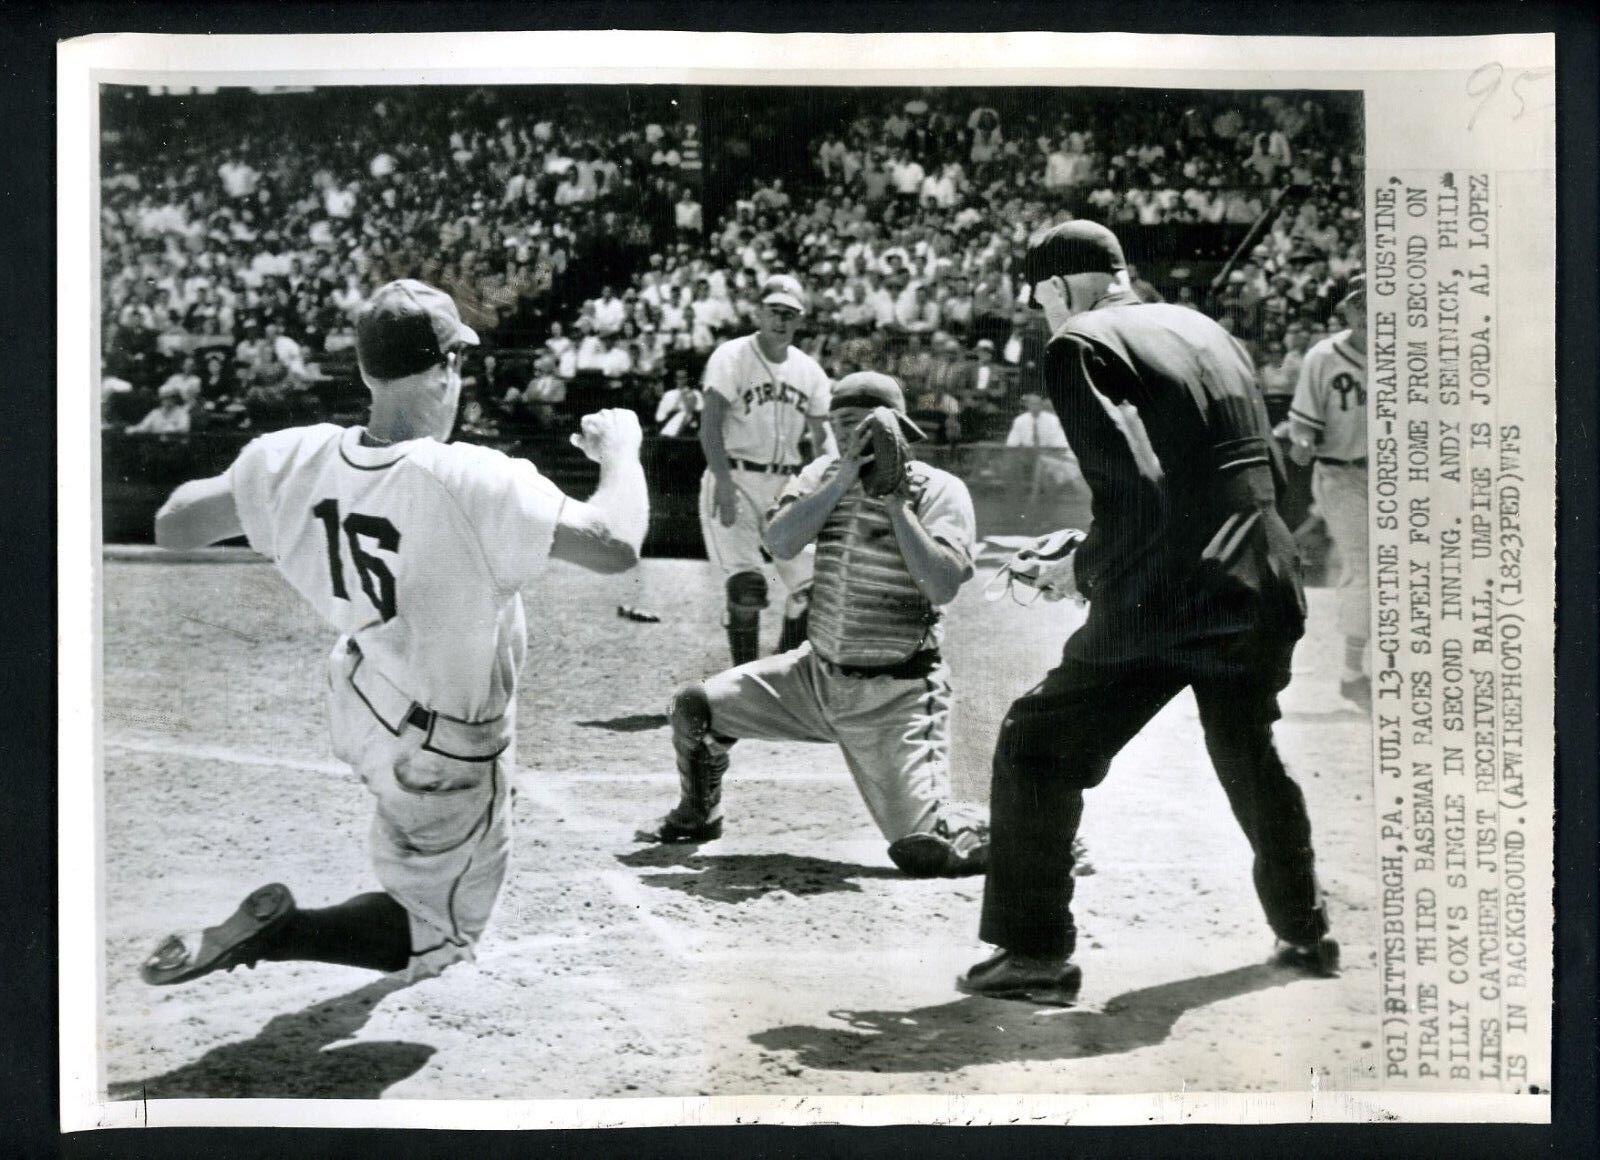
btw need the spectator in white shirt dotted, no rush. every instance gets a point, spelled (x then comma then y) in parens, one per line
(1036, 427)
(609, 312)
(1039, 450)
(678, 412)
(591, 350)
(915, 311)
(239, 178)
(616, 363)
(905, 175)
(170, 418)
(686, 213)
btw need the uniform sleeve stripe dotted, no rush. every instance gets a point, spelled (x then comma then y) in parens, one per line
(1308, 420)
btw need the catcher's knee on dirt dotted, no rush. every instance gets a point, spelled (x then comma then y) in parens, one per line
(702, 755)
(747, 596)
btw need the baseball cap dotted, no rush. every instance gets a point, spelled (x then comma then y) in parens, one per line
(408, 326)
(782, 290)
(985, 344)
(1075, 247)
(875, 389)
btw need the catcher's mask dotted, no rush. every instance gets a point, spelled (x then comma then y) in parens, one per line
(870, 389)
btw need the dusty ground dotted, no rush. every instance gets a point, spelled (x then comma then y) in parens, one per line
(787, 958)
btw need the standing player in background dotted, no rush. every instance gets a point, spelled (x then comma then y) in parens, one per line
(1328, 424)
(872, 677)
(761, 395)
(416, 551)
(1193, 582)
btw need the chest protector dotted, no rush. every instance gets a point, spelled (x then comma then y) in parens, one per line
(865, 608)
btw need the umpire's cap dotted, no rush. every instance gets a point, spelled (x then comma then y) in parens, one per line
(407, 327)
(1075, 247)
(875, 389)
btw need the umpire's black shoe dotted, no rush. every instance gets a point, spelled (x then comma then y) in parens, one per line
(239, 941)
(1048, 982)
(680, 825)
(1319, 958)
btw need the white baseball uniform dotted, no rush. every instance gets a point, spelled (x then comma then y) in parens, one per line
(1330, 411)
(768, 405)
(417, 553)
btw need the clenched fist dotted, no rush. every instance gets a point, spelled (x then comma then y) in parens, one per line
(609, 435)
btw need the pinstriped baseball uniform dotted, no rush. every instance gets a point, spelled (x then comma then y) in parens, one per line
(871, 678)
(417, 552)
(1330, 411)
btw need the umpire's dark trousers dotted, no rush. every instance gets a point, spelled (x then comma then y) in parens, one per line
(1058, 740)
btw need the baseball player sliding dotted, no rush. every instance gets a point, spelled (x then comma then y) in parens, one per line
(416, 551)
(761, 396)
(894, 542)
(1328, 424)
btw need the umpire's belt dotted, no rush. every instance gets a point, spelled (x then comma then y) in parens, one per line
(446, 735)
(766, 468)
(1326, 461)
(918, 664)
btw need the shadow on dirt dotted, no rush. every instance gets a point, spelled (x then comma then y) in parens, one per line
(974, 1031)
(739, 878)
(631, 723)
(288, 1058)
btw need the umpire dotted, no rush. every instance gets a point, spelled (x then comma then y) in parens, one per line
(1193, 581)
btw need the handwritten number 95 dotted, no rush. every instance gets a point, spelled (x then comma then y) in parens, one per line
(1486, 80)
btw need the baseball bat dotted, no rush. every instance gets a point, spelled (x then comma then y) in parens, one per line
(1259, 227)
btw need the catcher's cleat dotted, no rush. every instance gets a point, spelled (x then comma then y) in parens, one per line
(1048, 982)
(1358, 691)
(943, 852)
(680, 826)
(1320, 958)
(238, 941)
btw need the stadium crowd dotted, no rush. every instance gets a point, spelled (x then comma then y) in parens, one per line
(573, 236)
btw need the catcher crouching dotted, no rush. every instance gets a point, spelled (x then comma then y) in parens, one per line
(894, 542)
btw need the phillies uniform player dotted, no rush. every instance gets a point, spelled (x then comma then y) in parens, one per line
(1328, 424)
(761, 396)
(1193, 582)
(871, 677)
(416, 551)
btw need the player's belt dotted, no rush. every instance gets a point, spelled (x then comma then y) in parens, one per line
(917, 665)
(766, 468)
(446, 735)
(1331, 462)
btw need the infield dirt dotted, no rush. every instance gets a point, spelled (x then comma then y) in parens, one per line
(787, 958)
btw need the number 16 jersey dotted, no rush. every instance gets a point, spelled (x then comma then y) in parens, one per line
(418, 550)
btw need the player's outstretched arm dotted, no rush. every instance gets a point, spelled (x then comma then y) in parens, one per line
(200, 512)
(604, 534)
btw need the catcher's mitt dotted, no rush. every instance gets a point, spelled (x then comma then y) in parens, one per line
(886, 456)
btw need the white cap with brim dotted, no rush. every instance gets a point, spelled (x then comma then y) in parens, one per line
(782, 290)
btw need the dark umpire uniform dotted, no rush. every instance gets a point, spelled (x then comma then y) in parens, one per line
(1193, 581)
